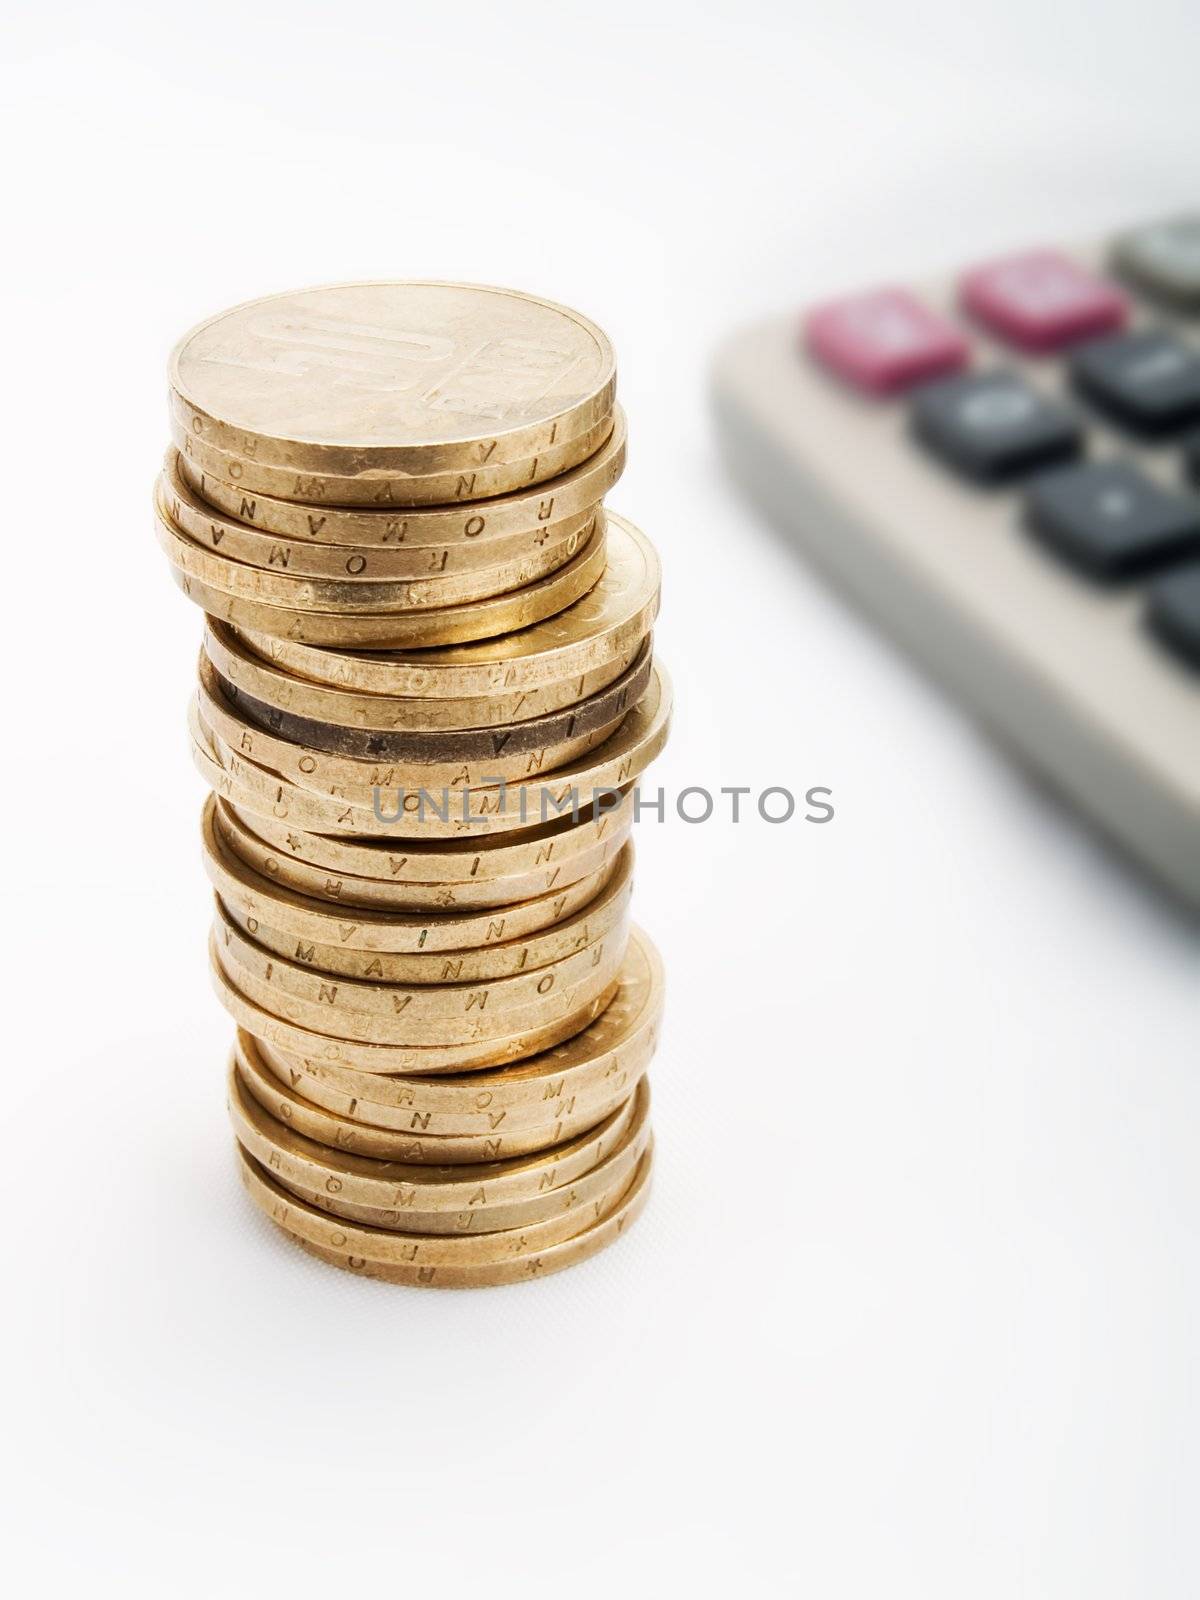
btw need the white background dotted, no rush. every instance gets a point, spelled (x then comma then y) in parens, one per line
(914, 1309)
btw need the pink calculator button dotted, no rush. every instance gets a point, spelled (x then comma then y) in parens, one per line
(884, 340)
(1042, 300)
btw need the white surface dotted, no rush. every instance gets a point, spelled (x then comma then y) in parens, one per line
(914, 1310)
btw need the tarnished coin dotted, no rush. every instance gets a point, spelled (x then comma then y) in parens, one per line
(382, 381)
(224, 589)
(238, 663)
(315, 767)
(450, 1262)
(419, 533)
(617, 611)
(603, 710)
(410, 810)
(589, 1115)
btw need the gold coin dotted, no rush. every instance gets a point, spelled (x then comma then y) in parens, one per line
(438, 814)
(421, 749)
(353, 576)
(526, 1257)
(435, 489)
(254, 789)
(323, 773)
(403, 894)
(449, 861)
(264, 1024)
(409, 1191)
(583, 1107)
(356, 597)
(503, 523)
(427, 1224)
(432, 1236)
(498, 1217)
(511, 939)
(375, 380)
(213, 584)
(525, 1123)
(236, 661)
(570, 789)
(425, 1151)
(619, 610)
(583, 909)
(555, 1258)
(376, 1042)
(359, 1004)
(606, 1058)
(263, 792)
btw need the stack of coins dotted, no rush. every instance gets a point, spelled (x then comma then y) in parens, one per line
(426, 693)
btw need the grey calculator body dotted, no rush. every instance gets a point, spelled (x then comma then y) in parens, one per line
(1064, 669)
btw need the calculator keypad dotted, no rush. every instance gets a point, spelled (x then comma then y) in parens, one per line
(1110, 520)
(1041, 301)
(1149, 380)
(992, 426)
(1107, 518)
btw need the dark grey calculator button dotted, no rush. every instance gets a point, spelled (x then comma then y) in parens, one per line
(993, 425)
(1174, 613)
(1148, 380)
(1164, 258)
(1110, 520)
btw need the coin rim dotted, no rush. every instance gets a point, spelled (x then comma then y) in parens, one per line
(513, 443)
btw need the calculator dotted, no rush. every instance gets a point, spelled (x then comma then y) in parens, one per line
(1003, 468)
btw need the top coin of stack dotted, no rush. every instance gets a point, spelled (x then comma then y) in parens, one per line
(289, 507)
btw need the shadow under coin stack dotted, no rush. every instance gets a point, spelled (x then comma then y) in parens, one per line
(426, 693)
